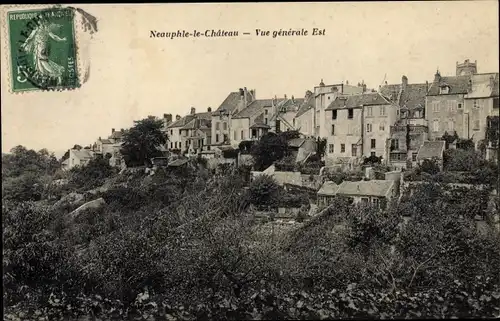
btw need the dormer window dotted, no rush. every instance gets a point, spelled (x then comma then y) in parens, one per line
(444, 90)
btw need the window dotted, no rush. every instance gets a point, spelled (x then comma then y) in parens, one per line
(254, 133)
(364, 200)
(180, 145)
(373, 143)
(171, 132)
(445, 126)
(278, 126)
(350, 113)
(293, 122)
(382, 110)
(369, 111)
(435, 106)
(342, 148)
(476, 125)
(354, 150)
(368, 128)
(435, 125)
(381, 127)
(414, 157)
(375, 201)
(330, 148)
(175, 144)
(349, 129)
(394, 144)
(444, 90)
(333, 129)
(242, 135)
(217, 126)
(216, 138)
(265, 111)
(224, 126)
(459, 106)
(265, 121)
(334, 114)
(451, 106)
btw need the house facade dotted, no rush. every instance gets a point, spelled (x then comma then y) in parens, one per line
(304, 119)
(78, 157)
(283, 117)
(253, 114)
(444, 106)
(109, 148)
(410, 99)
(373, 192)
(480, 103)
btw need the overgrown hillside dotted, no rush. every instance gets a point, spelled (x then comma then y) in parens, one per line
(185, 245)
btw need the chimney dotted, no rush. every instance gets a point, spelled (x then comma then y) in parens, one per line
(347, 82)
(404, 81)
(245, 93)
(112, 130)
(285, 96)
(99, 137)
(209, 109)
(293, 99)
(437, 77)
(364, 87)
(241, 92)
(168, 117)
(193, 110)
(492, 82)
(426, 86)
(386, 82)
(177, 117)
(469, 86)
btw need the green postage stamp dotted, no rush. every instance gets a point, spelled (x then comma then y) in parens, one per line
(43, 53)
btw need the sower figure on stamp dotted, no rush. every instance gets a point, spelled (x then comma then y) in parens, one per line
(38, 44)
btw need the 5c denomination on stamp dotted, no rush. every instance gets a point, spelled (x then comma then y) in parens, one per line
(42, 49)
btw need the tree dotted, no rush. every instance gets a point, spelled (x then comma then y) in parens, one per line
(449, 138)
(429, 166)
(321, 147)
(21, 160)
(142, 142)
(263, 191)
(270, 148)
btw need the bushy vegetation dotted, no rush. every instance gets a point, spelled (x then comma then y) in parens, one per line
(188, 246)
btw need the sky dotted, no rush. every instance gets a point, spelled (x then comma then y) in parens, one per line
(133, 75)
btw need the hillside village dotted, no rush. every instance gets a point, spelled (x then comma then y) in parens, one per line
(382, 133)
(348, 202)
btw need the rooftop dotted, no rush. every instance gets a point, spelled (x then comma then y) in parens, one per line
(328, 188)
(457, 85)
(357, 101)
(366, 188)
(430, 149)
(253, 108)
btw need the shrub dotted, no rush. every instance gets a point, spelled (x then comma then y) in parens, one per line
(263, 191)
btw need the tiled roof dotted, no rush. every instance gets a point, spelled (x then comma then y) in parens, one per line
(457, 84)
(117, 134)
(412, 96)
(296, 142)
(82, 153)
(181, 122)
(430, 149)
(259, 122)
(254, 107)
(481, 86)
(230, 103)
(366, 188)
(106, 141)
(307, 105)
(328, 188)
(355, 101)
(178, 162)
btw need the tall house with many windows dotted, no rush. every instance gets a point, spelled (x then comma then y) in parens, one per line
(444, 105)
(359, 125)
(480, 103)
(324, 96)
(410, 99)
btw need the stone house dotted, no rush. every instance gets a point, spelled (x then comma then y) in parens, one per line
(444, 105)
(364, 192)
(253, 115)
(432, 150)
(184, 130)
(79, 157)
(283, 118)
(410, 98)
(480, 102)
(222, 117)
(304, 118)
(109, 148)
